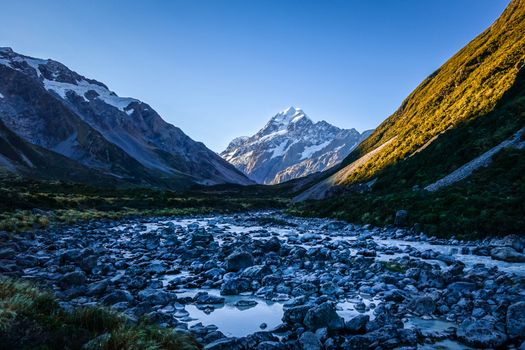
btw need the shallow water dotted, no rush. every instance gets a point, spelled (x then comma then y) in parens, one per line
(231, 319)
(235, 321)
(468, 259)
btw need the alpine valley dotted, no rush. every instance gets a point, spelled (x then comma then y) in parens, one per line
(118, 231)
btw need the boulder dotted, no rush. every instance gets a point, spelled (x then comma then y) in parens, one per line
(117, 297)
(97, 288)
(507, 254)
(322, 316)
(514, 241)
(224, 344)
(201, 238)
(401, 218)
(235, 286)
(423, 305)
(357, 324)
(256, 272)
(272, 245)
(516, 320)
(296, 314)
(71, 279)
(205, 298)
(271, 345)
(309, 341)
(155, 297)
(480, 334)
(238, 261)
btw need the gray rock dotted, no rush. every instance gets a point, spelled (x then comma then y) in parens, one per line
(516, 320)
(271, 345)
(97, 288)
(507, 254)
(480, 333)
(257, 272)
(155, 297)
(117, 297)
(309, 341)
(423, 305)
(514, 241)
(88, 263)
(224, 344)
(357, 324)
(205, 298)
(296, 314)
(201, 238)
(324, 315)
(235, 286)
(238, 261)
(462, 287)
(272, 245)
(71, 279)
(401, 218)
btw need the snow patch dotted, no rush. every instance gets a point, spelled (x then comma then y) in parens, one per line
(82, 87)
(279, 151)
(310, 150)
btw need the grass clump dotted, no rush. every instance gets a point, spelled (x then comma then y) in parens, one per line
(32, 319)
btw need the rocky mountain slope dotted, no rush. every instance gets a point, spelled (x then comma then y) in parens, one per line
(50, 106)
(470, 105)
(289, 146)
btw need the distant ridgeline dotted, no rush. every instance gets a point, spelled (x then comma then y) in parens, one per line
(452, 154)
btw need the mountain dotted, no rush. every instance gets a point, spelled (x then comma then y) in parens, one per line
(451, 150)
(289, 146)
(51, 106)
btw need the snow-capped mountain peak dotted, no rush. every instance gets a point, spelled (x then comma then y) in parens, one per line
(290, 145)
(288, 116)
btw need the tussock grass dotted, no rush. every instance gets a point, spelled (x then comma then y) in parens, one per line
(32, 319)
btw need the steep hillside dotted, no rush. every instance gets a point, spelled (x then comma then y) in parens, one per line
(21, 157)
(470, 105)
(289, 146)
(51, 106)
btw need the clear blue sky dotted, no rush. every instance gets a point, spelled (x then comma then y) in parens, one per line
(220, 68)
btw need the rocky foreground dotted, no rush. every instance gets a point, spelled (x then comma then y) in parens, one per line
(329, 285)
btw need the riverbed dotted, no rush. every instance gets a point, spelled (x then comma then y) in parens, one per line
(264, 277)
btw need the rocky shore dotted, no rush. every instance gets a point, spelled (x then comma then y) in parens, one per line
(266, 281)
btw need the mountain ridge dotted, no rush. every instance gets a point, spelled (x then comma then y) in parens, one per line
(53, 107)
(465, 113)
(290, 145)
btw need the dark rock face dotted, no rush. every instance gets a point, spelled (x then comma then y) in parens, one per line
(50, 106)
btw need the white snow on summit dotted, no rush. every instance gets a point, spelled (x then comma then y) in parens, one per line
(290, 145)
